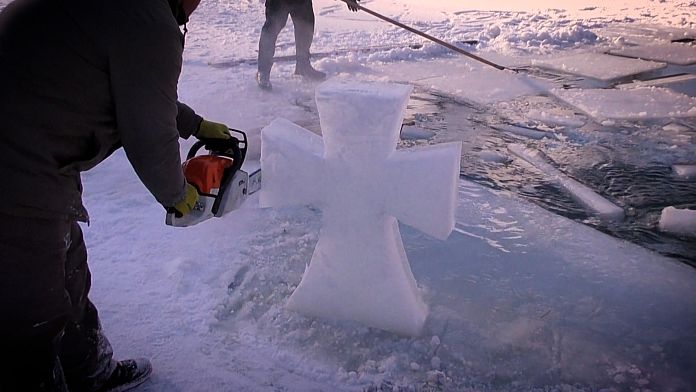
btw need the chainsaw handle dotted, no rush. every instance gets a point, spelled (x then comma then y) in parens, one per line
(222, 146)
(194, 149)
(243, 143)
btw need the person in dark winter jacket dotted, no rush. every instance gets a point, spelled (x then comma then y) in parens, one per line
(80, 79)
(302, 14)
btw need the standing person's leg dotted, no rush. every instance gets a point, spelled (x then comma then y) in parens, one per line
(85, 354)
(303, 19)
(276, 17)
(33, 303)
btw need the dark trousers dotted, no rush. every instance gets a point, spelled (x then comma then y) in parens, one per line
(50, 335)
(277, 12)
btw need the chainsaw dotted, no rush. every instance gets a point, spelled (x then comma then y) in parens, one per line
(222, 180)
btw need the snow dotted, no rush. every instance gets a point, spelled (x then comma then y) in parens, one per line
(675, 53)
(359, 270)
(595, 203)
(640, 103)
(678, 221)
(519, 299)
(598, 66)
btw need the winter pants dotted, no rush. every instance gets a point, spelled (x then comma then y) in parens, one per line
(277, 12)
(50, 335)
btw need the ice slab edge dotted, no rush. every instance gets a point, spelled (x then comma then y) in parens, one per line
(685, 172)
(678, 221)
(589, 199)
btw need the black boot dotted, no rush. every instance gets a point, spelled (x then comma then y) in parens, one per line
(128, 374)
(264, 81)
(308, 72)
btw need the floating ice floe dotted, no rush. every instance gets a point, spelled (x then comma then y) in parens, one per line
(412, 132)
(641, 34)
(642, 103)
(599, 66)
(685, 172)
(678, 221)
(681, 83)
(668, 52)
(486, 86)
(675, 127)
(589, 199)
(523, 131)
(492, 156)
(562, 119)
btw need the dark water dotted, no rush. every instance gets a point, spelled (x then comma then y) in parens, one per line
(627, 162)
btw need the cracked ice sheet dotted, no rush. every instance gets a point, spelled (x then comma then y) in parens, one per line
(515, 293)
(673, 53)
(642, 103)
(523, 297)
(598, 66)
(545, 284)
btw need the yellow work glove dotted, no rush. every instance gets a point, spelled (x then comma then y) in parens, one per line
(212, 130)
(186, 205)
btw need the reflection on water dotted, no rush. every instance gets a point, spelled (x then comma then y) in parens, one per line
(627, 162)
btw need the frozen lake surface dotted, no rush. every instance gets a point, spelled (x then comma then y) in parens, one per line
(530, 293)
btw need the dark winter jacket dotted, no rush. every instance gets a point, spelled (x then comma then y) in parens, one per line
(78, 80)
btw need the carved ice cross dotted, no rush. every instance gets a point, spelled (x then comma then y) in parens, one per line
(359, 270)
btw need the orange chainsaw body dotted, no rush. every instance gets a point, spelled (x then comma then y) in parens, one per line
(218, 177)
(205, 172)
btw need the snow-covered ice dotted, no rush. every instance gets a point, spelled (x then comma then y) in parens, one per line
(359, 269)
(678, 221)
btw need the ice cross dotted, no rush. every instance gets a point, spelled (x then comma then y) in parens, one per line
(359, 270)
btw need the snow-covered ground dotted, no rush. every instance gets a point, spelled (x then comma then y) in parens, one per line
(520, 298)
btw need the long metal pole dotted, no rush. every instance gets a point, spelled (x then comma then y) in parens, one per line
(447, 45)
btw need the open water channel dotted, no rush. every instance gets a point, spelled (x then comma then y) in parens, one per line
(627, 162)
